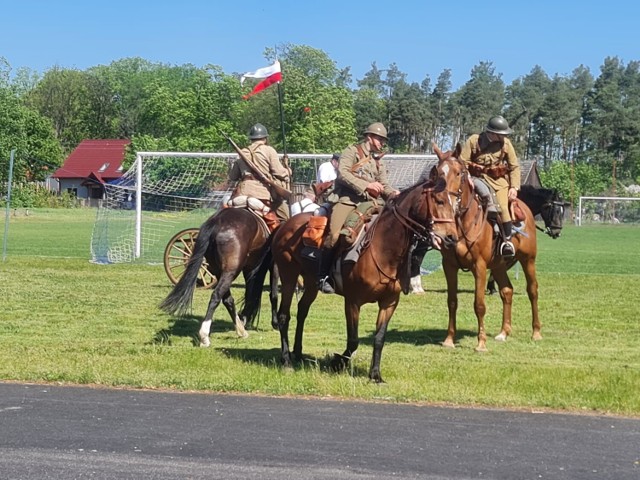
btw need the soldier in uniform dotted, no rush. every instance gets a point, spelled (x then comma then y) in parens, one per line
(493, 164)
(361, 177)
(265, 158)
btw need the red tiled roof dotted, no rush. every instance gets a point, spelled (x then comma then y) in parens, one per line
(90, 156)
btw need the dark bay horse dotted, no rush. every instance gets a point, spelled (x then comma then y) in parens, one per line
(233, 240)
(424, 211)
(476, 252)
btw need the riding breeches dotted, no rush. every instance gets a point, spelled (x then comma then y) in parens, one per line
(339, 215)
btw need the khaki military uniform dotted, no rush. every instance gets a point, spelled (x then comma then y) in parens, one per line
(355, 172)
(266, 160)
(479, 150)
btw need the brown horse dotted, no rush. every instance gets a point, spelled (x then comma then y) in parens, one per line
(424, 211)
(233, 240)
(476, 251)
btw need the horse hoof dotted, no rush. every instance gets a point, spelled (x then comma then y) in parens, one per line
(536, 336)
(502, 337)
(205, 343)
(241, 332)
(339, 362)
(376, 379)
(448, 344)
(481, 349)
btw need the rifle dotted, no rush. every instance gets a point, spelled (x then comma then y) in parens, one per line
(277, 189)
(518, 117)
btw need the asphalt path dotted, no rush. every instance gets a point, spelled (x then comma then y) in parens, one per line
(60, 432)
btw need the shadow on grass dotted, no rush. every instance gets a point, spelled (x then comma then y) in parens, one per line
(271, 358)
(187, 327)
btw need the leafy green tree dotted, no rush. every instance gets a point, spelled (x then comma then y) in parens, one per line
(479, 99)
(38, 152)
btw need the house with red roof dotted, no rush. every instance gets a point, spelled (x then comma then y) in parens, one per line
(92, 164)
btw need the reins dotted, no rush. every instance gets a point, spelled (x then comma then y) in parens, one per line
(422, 232)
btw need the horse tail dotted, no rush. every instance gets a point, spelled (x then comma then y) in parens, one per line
(180, 298)
(254, 281)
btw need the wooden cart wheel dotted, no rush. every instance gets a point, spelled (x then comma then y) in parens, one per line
(177, 254)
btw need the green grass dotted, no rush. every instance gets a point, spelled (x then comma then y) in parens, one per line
(64, 319)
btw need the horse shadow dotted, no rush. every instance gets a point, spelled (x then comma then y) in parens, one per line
(187, 327)
(270, 358)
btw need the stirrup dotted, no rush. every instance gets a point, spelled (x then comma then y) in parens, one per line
(507, 249)
(324, 285)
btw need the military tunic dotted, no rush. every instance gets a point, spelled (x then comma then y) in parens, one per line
(350, 186)
(266, 160)
(479, 150)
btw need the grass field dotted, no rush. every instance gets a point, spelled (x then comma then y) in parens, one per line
(64, 319)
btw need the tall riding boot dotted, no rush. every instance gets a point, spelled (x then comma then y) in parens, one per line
(324, 269)
(507, 249)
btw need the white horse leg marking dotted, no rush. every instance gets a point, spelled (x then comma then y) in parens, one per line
(240, 331)
(205, 328)
(416, 284)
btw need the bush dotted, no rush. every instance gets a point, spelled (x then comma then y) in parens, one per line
(34, 195)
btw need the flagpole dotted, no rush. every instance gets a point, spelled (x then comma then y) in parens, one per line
(284, 139)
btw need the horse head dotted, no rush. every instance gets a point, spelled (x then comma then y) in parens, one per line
(426, 210)
(552, 212)
(454, 173)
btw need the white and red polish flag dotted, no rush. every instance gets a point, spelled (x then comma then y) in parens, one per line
(271, 75)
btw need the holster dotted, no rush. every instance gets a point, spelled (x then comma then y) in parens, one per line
(314, 233)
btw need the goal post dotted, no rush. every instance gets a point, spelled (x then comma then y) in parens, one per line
(163, 193)
(612, 210)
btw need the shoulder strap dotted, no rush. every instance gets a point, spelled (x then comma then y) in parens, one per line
(362, 159)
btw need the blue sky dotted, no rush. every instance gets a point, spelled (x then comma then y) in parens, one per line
(421, 37)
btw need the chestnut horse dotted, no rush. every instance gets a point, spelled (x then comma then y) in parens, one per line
(476, 251)
(423, 211)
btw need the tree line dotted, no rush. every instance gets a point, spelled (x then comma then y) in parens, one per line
(584, 131)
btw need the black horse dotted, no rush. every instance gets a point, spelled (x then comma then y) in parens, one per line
(233, 240)
(548, 203)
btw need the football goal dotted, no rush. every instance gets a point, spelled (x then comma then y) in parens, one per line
(165, 192)
(611, 210)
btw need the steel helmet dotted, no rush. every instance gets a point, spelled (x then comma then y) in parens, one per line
(377, 129)
(258, 131)
(498, 125)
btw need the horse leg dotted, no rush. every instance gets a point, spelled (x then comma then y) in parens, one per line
(238, 323)
(491, 285)
(451, 275)
(221, 289)
(506, 294)
(308, 297)
(386, 309)
(352, 315)
(284, 316)
(274, 278)
(479, 306)
(529, 269)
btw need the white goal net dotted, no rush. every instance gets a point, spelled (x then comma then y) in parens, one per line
(166, 192)
(611, 210)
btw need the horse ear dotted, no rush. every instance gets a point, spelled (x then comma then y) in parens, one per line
(433, 174)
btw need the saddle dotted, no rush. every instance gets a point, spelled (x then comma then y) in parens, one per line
(357, 219)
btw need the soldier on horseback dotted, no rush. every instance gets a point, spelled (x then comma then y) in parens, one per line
(261, 175)
(493, 164)
(361, 177)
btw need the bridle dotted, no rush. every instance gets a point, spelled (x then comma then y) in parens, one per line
(460, 210)
(421, 232)
(550, 212)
